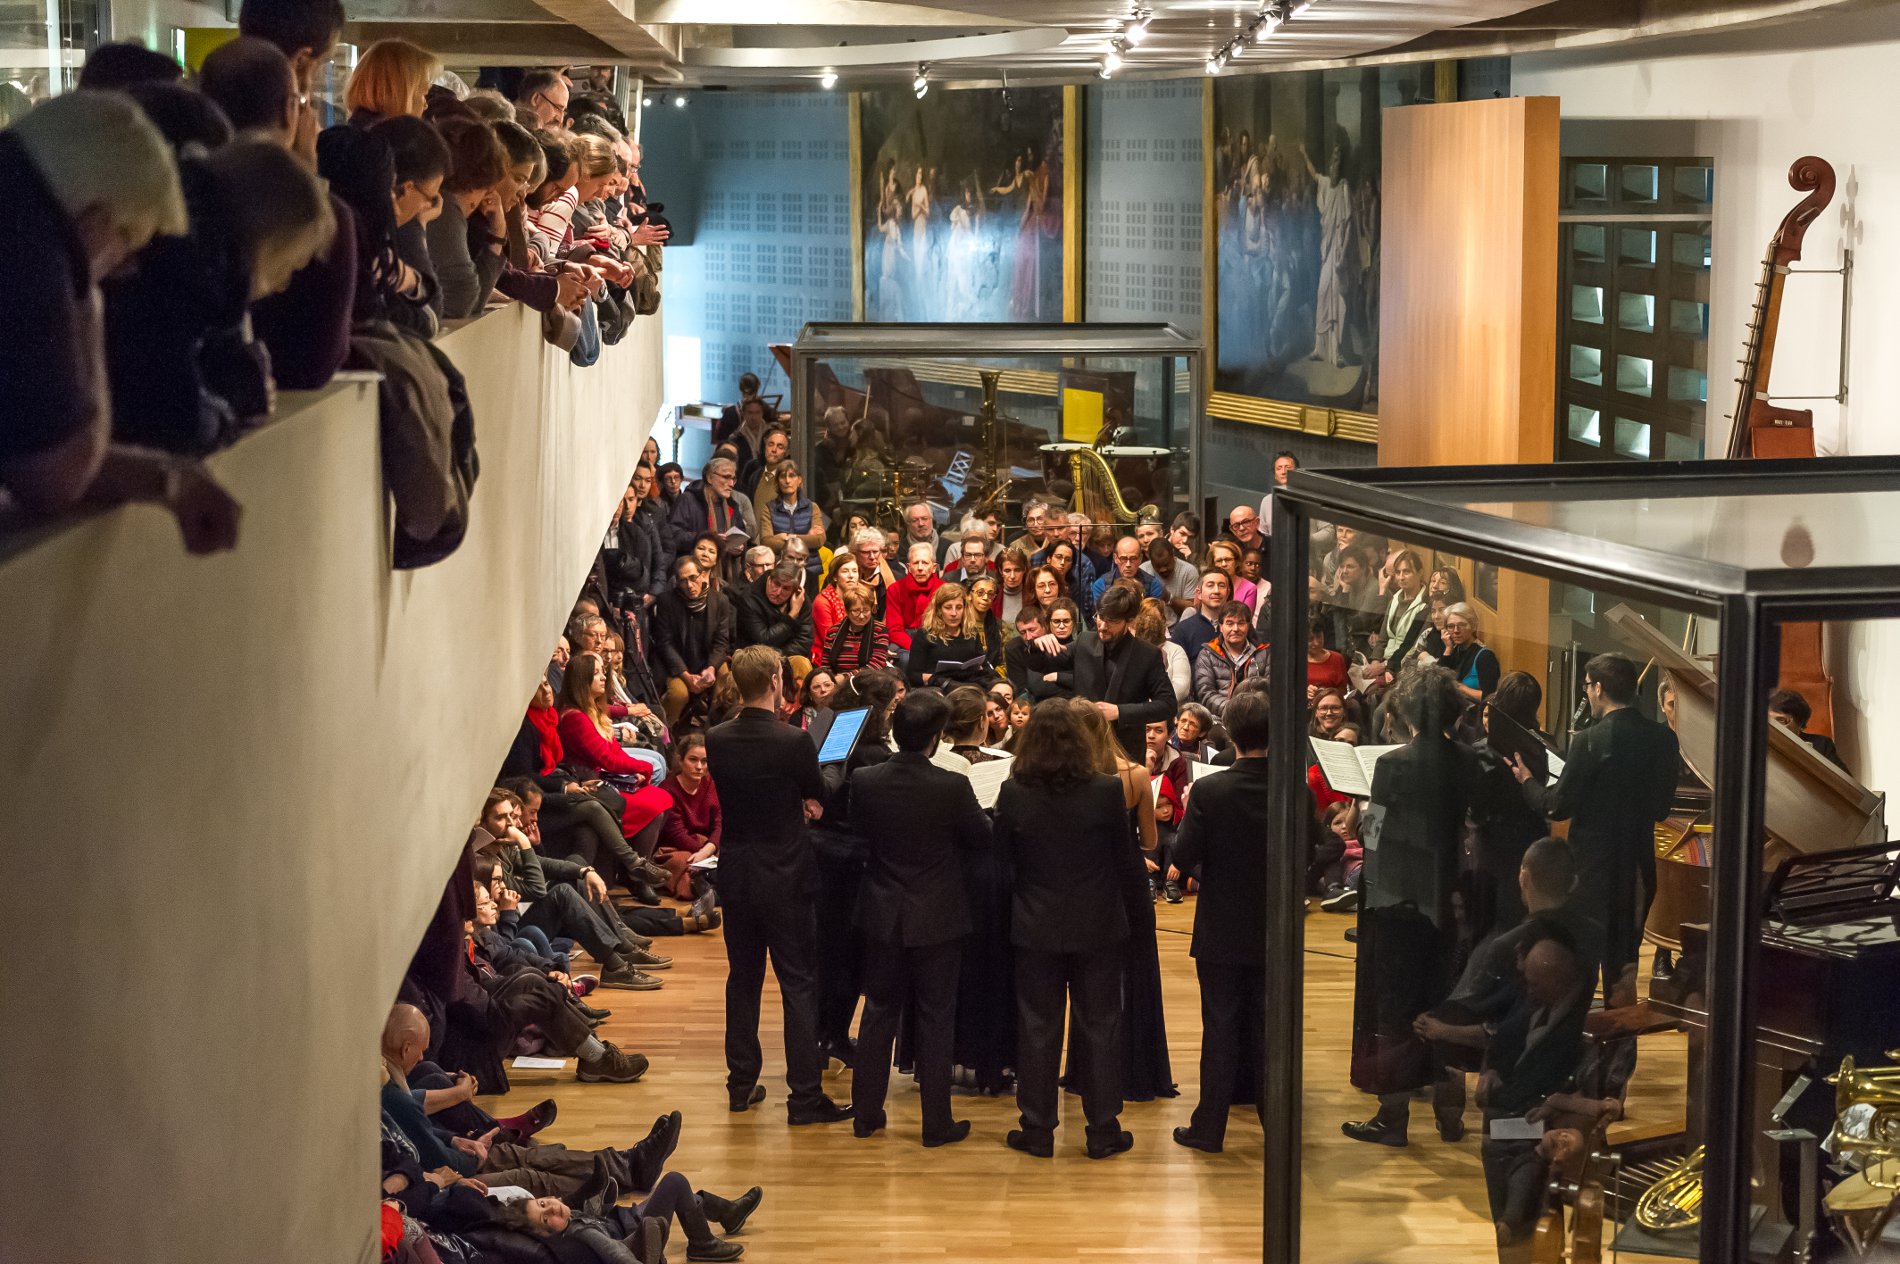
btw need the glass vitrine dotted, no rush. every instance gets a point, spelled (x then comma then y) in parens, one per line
(985, 418)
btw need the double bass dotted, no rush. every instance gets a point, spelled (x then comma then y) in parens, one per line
(1761, 429)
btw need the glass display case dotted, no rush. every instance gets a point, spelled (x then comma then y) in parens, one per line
(979, 418)
(1702, 1065)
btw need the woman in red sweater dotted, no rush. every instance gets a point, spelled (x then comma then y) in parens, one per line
(587, 740)
(827, 609)
(691, 832)
(1325, 669)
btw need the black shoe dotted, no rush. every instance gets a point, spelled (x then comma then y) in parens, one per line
(652, 1241)
(646, 1158)
(1451, 1127)
(843, 1049)
(597, 1193)
(1345, 901)
(825, 1112)
(1119, 1142)
(730, 1213)
(1195, 1141)
(1041, 1147)
(958, 1130)
(739, 1101)
(1171, 892)
(593, 1013)
(714, 1249)
(1376, 1131)
(867, 1125)
(1154, 889)
(640, 893)
(1352, 935)
(651, 874)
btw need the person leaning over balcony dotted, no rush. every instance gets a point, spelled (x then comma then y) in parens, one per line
(391, 81)
(692, 636)
(89, 181)
(478, 170)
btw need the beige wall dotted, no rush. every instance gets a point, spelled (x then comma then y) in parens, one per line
(232, 788)
(1468, 312)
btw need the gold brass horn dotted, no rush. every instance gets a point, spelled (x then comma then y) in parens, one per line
(1675, 1200)
(1867, 1119)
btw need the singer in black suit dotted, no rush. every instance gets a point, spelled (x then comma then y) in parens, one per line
(1224, 836)
(1123, 674)
(1619, 780)
(914, 912)
(767, 776)
(1063, 831)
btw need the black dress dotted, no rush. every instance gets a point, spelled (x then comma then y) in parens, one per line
(1149, 1073)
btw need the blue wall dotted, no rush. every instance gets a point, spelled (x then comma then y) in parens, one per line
(1142, 221)
(766, 179)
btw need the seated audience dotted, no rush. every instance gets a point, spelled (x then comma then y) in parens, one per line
(860, 641)
(956, 642)
(691, 832)
(770, 610)
(1193, 630)
(1229, 659)
(791, 515)
(692, 637)
(907, 598)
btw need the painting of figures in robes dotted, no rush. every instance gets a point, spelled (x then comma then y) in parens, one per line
(962, 204)
(1296, 187)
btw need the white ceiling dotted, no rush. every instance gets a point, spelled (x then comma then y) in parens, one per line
(801, 37)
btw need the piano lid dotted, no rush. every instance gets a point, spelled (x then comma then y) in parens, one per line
(1811, 805)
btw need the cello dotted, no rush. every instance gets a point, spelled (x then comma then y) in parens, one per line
(1761, 429)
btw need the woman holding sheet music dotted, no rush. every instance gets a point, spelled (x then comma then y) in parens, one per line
(958, 643)
(1507, 825)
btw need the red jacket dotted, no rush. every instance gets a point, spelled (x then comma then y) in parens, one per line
(584, 745)
(904, 606)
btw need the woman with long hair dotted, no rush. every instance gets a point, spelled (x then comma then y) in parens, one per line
(1012, 576)
(1062, 828)
(691, 832)
(1506, 824)
(1046, 585)
(958, 642)
(1148, 1074)
(1060, 557)
(587, 735)
(1151, 625)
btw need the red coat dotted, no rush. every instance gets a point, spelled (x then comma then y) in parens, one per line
(904, 606)
(582, 744)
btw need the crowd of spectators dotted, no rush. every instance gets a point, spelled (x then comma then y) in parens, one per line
(182, 247)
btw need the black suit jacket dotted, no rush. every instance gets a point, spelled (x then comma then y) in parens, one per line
(762, 623)
(1141, 689)
(914, 817)
(1619, 780)
(764, 771)
(1424, 789)
(1225, 834)
(1070, 852)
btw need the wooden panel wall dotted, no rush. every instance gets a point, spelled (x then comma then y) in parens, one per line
(1468, 311)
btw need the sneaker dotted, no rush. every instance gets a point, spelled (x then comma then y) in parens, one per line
(652, 874)
(1347, 901)
(614, 1066)
(1171, 892)
(584, 983)
(631, 979)
(646, 959)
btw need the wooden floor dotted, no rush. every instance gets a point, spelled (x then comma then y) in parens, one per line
(832, 1197)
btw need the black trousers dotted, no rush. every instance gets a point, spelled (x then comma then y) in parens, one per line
(528, 997)
(786, 931)
(1233, 1023)
(925, 979)
(840, 959)
(1088, 985)
(1514, 1181)
(577, 825)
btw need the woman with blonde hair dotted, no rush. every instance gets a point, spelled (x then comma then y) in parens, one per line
(1147, 1074)
(958, 644)
(391, 78)
(1151, 625)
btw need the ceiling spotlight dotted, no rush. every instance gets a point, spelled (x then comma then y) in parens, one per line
(646, 103)
(1135, 29)
(921, 84)
(679, 100)
(1213, 65)
(1264, 26)
(828, 80)
(1112, 62)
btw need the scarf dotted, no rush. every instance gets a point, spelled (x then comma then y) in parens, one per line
(697, 604)
(546, 725)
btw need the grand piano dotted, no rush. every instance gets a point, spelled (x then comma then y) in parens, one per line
(1829, 965)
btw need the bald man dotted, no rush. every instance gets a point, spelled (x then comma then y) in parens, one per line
(435, 1111)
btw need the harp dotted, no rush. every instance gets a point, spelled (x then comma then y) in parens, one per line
(1096, 493)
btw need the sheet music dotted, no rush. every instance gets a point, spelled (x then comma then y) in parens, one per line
(1197, 770)
(987, 779)
(1368, 756)
(1339, 765)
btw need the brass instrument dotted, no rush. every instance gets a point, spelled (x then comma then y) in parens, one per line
(1861, 1205)
(995, 453)
(1674, 1200)
(1096, 493)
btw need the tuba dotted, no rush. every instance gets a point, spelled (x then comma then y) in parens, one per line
(1866, 1135)
(1096, 493)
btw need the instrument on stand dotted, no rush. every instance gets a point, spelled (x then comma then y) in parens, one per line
(1866, 1136)
(1761, 429)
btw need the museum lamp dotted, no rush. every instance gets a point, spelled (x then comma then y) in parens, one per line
(921, 84)
(1112, 62)
(828, 80)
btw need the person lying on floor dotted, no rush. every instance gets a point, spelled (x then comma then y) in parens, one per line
(608, 1229)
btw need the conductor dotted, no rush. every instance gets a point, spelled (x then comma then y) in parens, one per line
(914, 912)
(767, 776)
(1619, 781)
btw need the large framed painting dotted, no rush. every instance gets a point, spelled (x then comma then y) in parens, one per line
(1296, 167)
(960, 201)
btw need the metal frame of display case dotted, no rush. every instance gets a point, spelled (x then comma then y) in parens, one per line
(1751, 603)
(860, 339)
